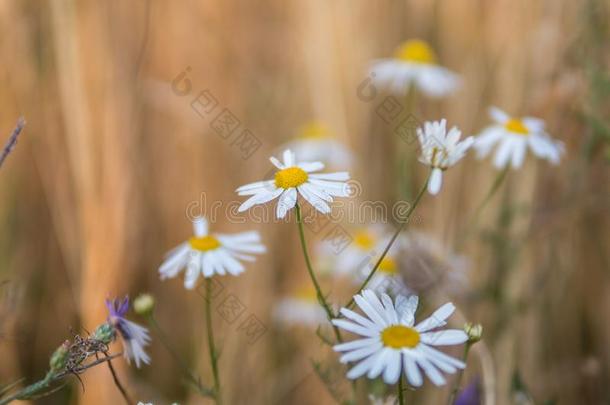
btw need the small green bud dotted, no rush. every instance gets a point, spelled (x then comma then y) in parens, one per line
(474, 332)
(57, 362)
(104, 333)
(144, 304)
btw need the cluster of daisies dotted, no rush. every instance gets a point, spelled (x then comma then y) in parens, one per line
(391, 344)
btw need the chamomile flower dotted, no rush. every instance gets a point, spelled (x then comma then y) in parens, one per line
(300, 308)
(133, 336)
(414, 63)
(440, 150)
(514, 136)
(392, 344)
(211, 254)
(292, 179)
(316, 142)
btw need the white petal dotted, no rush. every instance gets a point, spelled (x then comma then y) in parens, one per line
(431, 371)
(392, 371)
(337, 176)
(498, 115)
(200, 227)
(435, 182)
(380, 363)
(361, 368)
(361, 353)
(437, 319)
(354, 328)
(355, 344)
(412, 371)
(289, 158)
(351, 315)
(286, 202)
(406, 309)
(444, 337)
(192, 271)
(311, 166)
(175, 262)
(504, 152)
(260, 198)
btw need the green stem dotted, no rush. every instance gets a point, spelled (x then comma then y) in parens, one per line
(211, 346)
(312, 275)
(492, 191)
(35, 389)
(401, 393)
(458, 380)
(179, 361)
(401, 226)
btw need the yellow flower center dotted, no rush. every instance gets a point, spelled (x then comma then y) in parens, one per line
(415, 51)
(516, 126)
(290, 177)
(204, 243)
(364, 240)
(388, 265)
(399, 336)
(314, 130)
(306, 294)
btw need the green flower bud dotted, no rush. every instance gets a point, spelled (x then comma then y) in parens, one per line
(474, 332)
(57, 362)
(144, 304)
(104, 333)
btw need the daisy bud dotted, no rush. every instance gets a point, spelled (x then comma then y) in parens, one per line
(474, 332)
(104, 333)
(58, 359)
(144, 304)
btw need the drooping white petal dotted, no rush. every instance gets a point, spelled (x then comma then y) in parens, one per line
(444, 337)
(437, 319)
(287, 201)
(435, 182)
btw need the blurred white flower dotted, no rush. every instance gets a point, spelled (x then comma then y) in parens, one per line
(316, 142)
(414, 63)
(391, 344)
(427, 265)
(358, 259)
(292, 178)
(301, 308)
(211, 254)
(389, 400)
(514, 136)
(440, 150)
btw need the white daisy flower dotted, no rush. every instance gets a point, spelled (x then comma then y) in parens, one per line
(391, 344)
(316, 142)
(514, 136)
(414, 63)
(440, 150)
(294, 178)
(211, 254)
(301, 308)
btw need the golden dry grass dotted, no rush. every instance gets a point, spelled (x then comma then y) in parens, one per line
(110, 159)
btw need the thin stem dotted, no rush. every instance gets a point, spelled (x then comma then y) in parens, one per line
(458, 380)
(492, 191)
(12, 140)
(401, 226)
(312, 275)
(117, 382)
(401, 393)
(211, 346)
(181, 363)
(36, 388)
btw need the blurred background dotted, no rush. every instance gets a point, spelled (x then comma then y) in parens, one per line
(121, 149)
